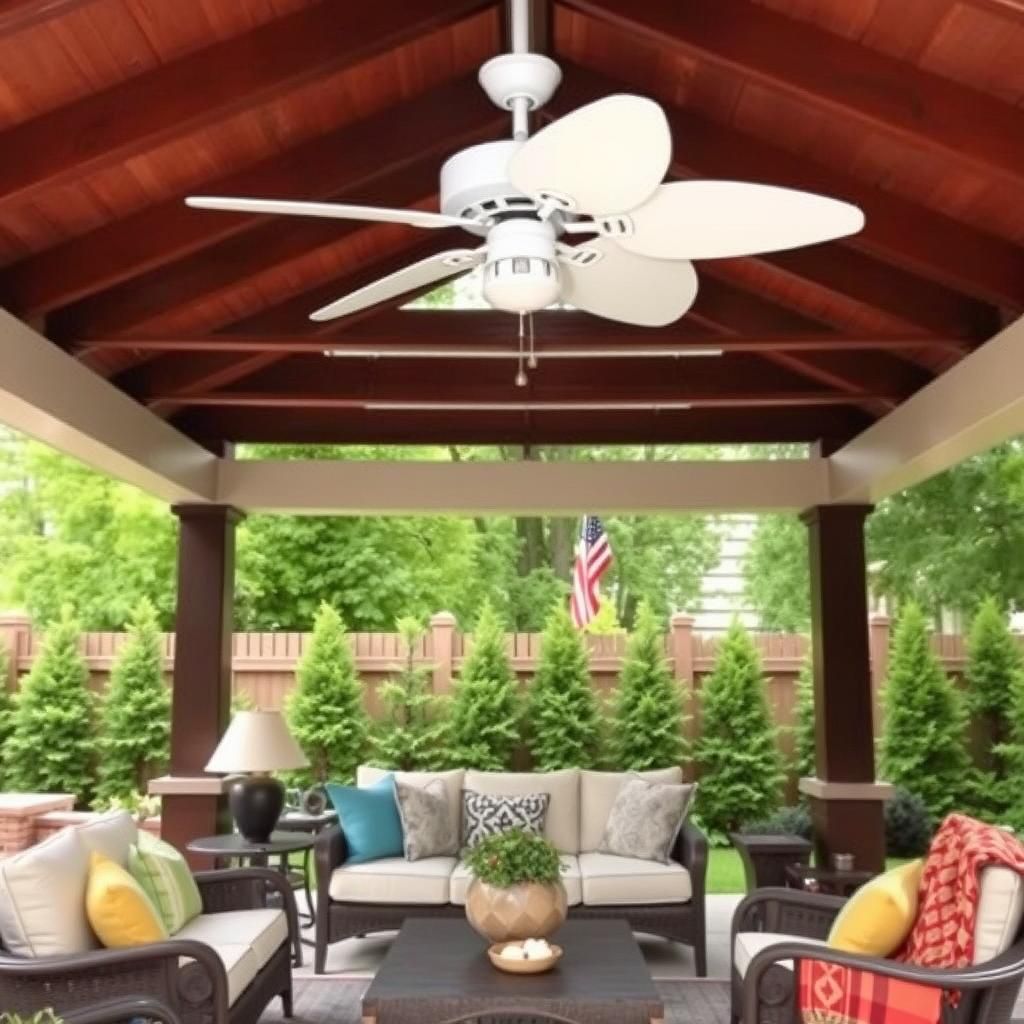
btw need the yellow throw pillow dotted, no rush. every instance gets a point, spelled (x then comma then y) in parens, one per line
(120, 912)
(879, 915)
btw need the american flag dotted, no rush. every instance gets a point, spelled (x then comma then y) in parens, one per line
(593, 556)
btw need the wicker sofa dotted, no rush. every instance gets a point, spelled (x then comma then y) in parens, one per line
(662, 899)
(223, 967)
(773, 929)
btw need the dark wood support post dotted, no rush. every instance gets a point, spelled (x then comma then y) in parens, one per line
(193, 802)
(846, 801)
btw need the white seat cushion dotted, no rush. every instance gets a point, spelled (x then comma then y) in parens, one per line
(367, 775)
(393, 880)
(461, 877)
(42, 898)
(245, 940)
(610, 881)
(1000, 907)
(749, 944)
(110, 834)
(562, 822)
(598, 791)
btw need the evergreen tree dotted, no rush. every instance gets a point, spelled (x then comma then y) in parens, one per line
(326, 712)
(1008, 794)
(6, 713)
(135, 717)
(562, 712)
(411, 736)
(924, 744)
(51, 746)
(483, 730)
(647, 714)
(804, 743)
(740, 764)
(994, 661)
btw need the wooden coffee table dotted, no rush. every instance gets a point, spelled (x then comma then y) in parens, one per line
(437, 970)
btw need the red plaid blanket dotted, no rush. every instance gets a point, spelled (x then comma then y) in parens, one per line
(942, 936)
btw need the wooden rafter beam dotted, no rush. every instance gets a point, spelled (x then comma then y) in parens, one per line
(900, 232)
(340, 164)
(110, 127)
(16, 15)
(826, 71)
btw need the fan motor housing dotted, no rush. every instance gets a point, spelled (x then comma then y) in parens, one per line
(474, 184)
(521, 272)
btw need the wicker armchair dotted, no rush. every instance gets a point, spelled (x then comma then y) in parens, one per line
(197, 991)
(764, 994)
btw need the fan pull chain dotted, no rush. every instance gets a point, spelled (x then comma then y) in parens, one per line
(532, 361)
(520, 372)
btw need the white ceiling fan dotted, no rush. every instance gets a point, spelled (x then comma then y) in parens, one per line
(597, 172)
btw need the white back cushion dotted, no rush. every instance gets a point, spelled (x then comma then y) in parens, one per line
(367, 775)
(110, 834)
(562, 824)
(42, 898)
(598, 791)
(1000, 907)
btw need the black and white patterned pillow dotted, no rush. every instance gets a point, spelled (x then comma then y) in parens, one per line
(486, 815)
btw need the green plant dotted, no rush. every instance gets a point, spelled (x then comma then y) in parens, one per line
(740, 764)
(140, 806)
(1008, 792)
(6, 712)
(484, 718)
(135, 716)
(786, 821)
(51, 746)
(513, 857)
(411, 736)
(562, 711)
(39, 1017)
(241, 700)
(647, 713)
(924, 742)
(326, 711)
(908, 825)
(803, 731)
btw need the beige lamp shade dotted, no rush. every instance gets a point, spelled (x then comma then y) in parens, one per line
(257, 741)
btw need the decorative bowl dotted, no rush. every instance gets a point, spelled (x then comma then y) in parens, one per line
(522, 966)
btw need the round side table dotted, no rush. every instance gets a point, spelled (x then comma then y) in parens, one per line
(312, 824)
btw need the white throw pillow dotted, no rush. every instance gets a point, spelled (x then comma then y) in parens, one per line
(1000, 907)
(42, 898)
(111, 834)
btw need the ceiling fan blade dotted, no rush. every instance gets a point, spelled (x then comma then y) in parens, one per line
(415, 276)
(341, 211)
(704, 220)
(622, 286)
(606, 157)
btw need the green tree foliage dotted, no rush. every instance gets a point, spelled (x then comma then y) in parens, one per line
(647, 714)
(411, 735)
(6, 712)
(135, 725)
(740, 764)
(483, 730)
(803, 732)
(994, 664)
(924, 744)
(1009, 793)
(562, 714)
(51, 746)
(326, 712)
(776, 574)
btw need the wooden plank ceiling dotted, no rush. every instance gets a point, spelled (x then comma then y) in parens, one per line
(112, 110)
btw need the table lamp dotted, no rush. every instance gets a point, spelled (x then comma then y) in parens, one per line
(256, 743)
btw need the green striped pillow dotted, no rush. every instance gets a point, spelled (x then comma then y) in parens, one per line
(166, 879)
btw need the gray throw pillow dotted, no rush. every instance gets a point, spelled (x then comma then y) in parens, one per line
(646, 818)
(426, 822)
(484, 814)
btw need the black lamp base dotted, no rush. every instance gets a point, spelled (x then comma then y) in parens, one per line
(256, 802)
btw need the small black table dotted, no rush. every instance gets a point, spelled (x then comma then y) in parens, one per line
(766, 857)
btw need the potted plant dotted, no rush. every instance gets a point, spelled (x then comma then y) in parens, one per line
(517, 890)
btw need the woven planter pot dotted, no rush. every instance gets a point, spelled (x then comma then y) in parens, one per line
(526, 911)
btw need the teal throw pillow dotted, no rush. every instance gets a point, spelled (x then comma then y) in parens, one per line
(369, 818)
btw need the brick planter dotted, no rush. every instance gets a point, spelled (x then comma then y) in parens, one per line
(19, 813)
(52, 822)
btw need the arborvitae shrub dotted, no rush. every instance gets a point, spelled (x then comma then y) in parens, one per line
(740, 765)
(562, 717)
(803, 731)
(484, 716)
(135, 715)
(908, 825)
(51, 748)
(326, 712)
(647, 711)
(6, 713)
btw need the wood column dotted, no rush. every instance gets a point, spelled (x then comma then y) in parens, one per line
(846, 803)
(201, 705)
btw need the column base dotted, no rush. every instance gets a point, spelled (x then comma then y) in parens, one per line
(190, 808)
(848, 817)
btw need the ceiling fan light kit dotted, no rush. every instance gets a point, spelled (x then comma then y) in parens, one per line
(597, 171)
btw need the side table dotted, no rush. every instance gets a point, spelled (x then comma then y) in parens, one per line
(826, 880)
(311, 824)
(766, 857)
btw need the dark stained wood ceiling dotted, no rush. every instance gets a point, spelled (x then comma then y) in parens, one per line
(112, 110)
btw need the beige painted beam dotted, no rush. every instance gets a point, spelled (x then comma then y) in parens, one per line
(523, 488)
(973, 406)
(47, 394)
